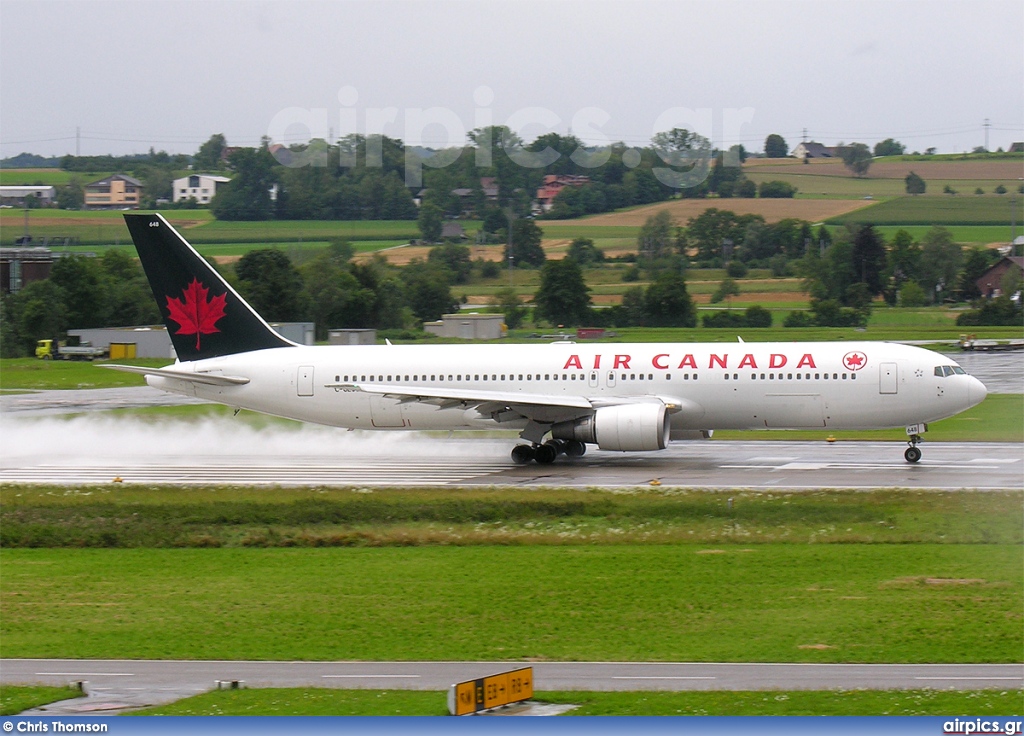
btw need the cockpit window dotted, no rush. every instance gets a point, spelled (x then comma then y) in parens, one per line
(959, 371)
(949, 370)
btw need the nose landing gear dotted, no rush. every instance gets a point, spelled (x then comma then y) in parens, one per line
(913, 453)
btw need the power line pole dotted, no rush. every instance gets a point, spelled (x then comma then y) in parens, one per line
(805, 135)
(986, 125)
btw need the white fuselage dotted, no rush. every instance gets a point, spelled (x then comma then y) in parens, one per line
(834, 385)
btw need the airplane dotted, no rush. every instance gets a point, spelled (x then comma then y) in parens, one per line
(561, 396)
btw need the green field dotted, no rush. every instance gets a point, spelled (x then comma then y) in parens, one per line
(771, 602)
(321, 702)
(47, 177)
(939, 209)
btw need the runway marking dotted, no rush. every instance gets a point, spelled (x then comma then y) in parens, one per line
(1002, 460)
(87, 674)
(661, 677)
(370, 676)
(441, 472)
(969, 678)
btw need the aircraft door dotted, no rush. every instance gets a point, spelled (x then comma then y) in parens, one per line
(593, 379)
(304, 380)
(888, 378)
(610, 380)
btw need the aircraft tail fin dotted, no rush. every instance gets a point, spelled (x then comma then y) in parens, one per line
(205, 317)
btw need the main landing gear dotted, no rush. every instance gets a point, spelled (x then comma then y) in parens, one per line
(913, 453)
(548, 452)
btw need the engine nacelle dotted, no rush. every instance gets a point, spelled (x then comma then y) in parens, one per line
(626, 427)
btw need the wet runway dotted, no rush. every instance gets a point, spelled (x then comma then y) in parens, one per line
(92, 450)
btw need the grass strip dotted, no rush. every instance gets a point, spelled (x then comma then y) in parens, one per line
(725, 603)
(322, 702)
(16, 699)
(112, 516)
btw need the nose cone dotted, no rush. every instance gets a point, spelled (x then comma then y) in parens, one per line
(976, 392)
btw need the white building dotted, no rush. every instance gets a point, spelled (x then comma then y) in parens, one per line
(202, 187)
(14, 196)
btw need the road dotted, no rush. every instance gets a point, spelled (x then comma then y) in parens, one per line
(116, 685)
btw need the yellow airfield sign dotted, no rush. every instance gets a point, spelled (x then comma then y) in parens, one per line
(473, 696)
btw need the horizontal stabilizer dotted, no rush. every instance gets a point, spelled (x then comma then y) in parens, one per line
(210, 379)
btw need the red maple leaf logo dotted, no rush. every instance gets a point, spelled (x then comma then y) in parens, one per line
(194, 312)
(855, 361)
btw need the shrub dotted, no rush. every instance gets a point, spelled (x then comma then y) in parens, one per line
(776, 190)
(799, 319)
(758, 316)
(912, 295)
(736, 269)
(726, 319)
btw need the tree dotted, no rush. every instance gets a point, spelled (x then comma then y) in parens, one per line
(889, 147)
(940, 262)
(869, 259)
(975, 265)
(208, 156)
(667, 302)
(271, 284)
(507, 300)
(83, 289)
(247, 196)
(775, 146)
(333, 293)
(563, 297)
(904, 258)
(655, 239)
(454, 258)
(526, 244)
(427, 290)
(915, 184)
(727, 288)
(71, 196)
(430, 222)
(857, 158)
(584, 252)
(36, 312)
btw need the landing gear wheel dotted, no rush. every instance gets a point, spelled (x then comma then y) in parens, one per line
(559, 446)
(913, 453)
(545, 454)
(522, 454)
(575, 448)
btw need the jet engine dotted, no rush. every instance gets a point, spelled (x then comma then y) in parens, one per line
(626, 427)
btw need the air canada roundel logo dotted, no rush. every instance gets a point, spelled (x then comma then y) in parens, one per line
(855, 361)
(196, 313)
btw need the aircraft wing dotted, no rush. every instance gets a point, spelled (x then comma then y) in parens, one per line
(210, 379)
(538, 407)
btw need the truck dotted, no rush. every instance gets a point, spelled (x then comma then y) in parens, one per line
(48, 350)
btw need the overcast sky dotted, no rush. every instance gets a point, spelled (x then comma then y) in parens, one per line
(131, 75)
